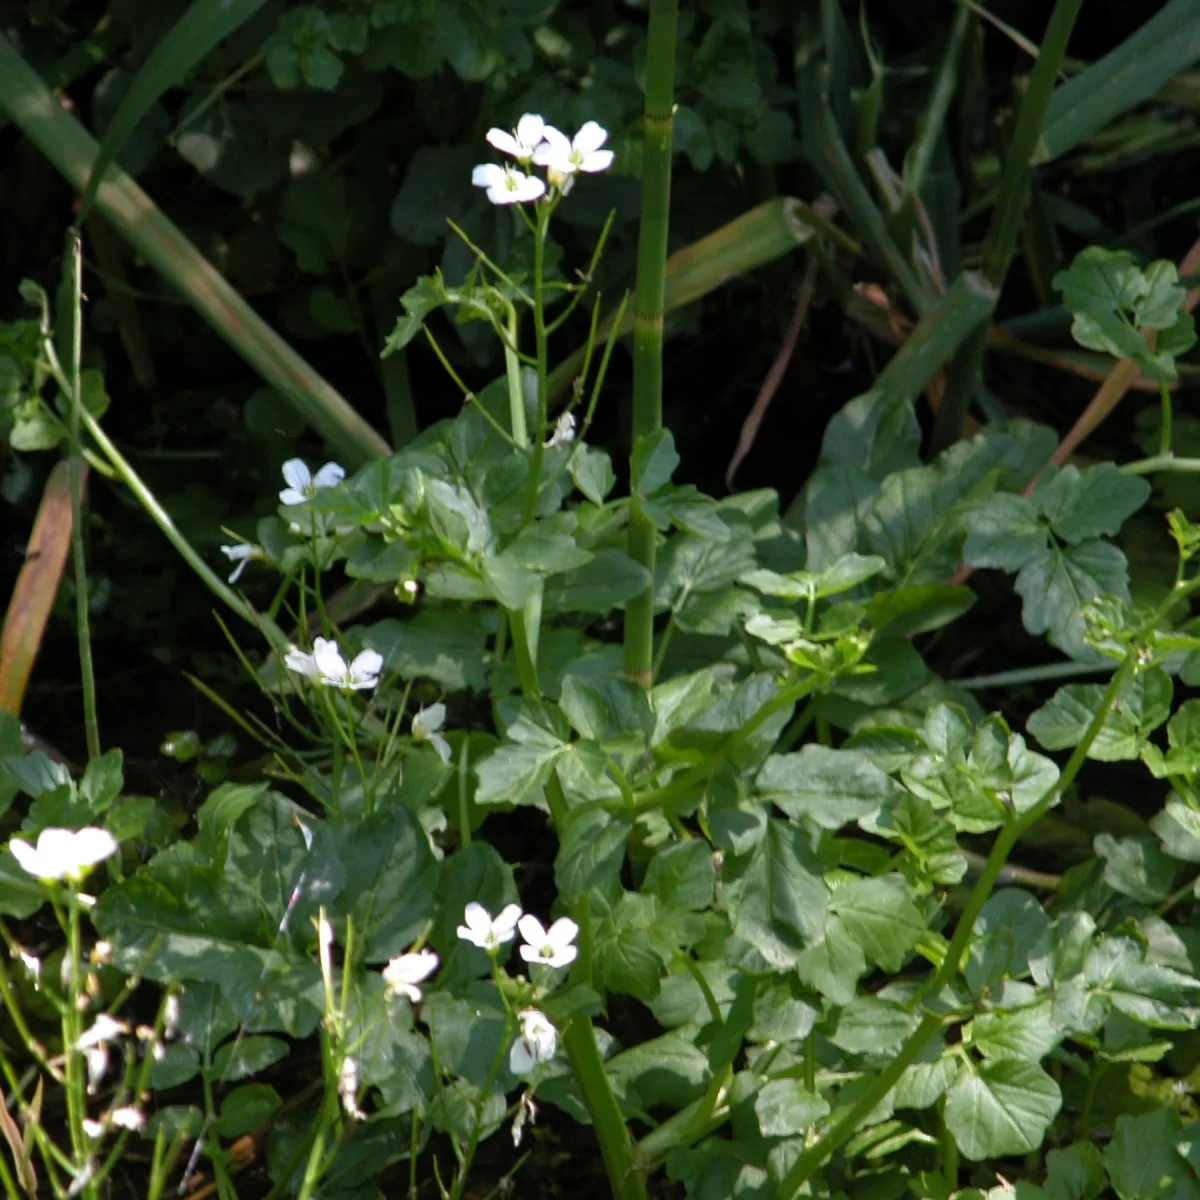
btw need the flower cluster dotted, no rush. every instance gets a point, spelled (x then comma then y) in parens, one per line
(553, 947)
(533, 141)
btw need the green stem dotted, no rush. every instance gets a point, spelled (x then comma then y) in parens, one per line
(159, 515)
(516, 394)
(648, 312)
(1164, 436)
(814, 1157)
(70, 332)
(1161, 462)
(74, 1067)
(1001, 242)
(539, 337)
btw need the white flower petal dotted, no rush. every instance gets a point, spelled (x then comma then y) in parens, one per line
(26, 856)
(521, 1058)
(488, 175)
(303, 664)
(504, 142)
(330, 475)
(364, 670)
(532, 930)
(530, 131)
(505, 925)
(562, 933)
(591, 136)
(442, 746)
(297, 476)
(330, 664)
(600, 160)
(555, 142)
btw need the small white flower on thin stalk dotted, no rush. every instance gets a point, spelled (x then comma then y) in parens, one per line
(302, 484)
(64, 853)
(506, 186)
(171, 1011)
(241, 554)
(104, 1029)
(526, 1112)
(553, 947)
(536, 1043)
(325, 665)
(485, 933)
(93, 1129)
(128, 1117)
(564, 432)
(427, 727)
(523, 140)
(348, 1089)
(97, 1067)
(32, 964)
(403, 973)
(563, 158)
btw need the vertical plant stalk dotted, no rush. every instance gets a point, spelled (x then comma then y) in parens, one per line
(1005, 228)
(70, 333)
(648, 311)
(815, 1156)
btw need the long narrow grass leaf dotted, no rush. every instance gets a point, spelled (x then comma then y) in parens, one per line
(202, 26)
(72, 150)
(1142, 64)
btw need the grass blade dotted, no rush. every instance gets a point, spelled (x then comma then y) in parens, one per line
(826, 151)
(72, 150)
(961, 309)
(37, 584)
(1142, 64)
(1007, 217)
(205, 23)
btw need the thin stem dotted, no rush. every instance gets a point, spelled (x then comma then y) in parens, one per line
(1164, 436)
(70, 334)
(539, 336)
(1161, 462)
(648, 308)
(814, 1157)
(516, 394)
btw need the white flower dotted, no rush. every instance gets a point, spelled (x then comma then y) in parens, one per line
(171, 1016)
(551, 948)
(403, 974)
(302, 484)
(485, 933)
(106, 1029)
(506, 186)
(535, 1045)
(31, 963)
(64, 853)
(128, 1117)
(562, 158)
(564, 431)
(523, 141)
(348, 1089)
(325, 665)
(93, 1129)
(427, 726)
(240, 554)
(97, 1066)
(526, 1112)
